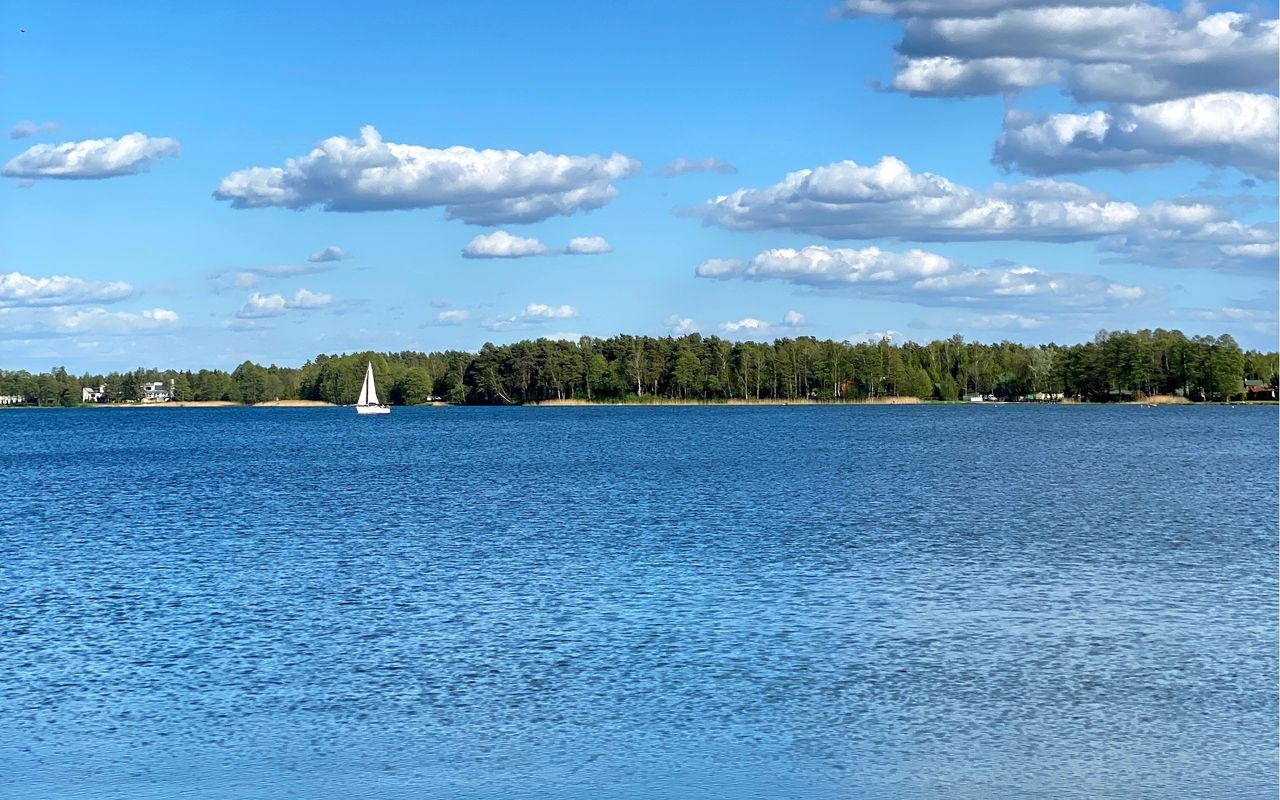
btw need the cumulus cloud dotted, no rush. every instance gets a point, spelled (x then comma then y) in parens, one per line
(587, 245)
(1224, 129)
(26, 129)
(259, 305)
(481, 187)
(501, 244)
(873, 336)
(330, 253)
(18, 290)
(1214, 243)
(539, 311)
(849, 200)
(679, 326)
(685, 166)
(1102, 51)
(925, 278)
(305, 299)
(252, 277)
(945, 76)
(30, 323)
(533, 314)
(846, 200)
(101, 321)
(746, 325)
(90, 159)
(749, 327)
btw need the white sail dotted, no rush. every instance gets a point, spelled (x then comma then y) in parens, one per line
(369, 391)
(368, 402)
(371, 386)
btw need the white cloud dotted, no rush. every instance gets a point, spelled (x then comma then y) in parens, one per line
(501, 244)
(17, 290)
(1122, 292)
(539, 311)
(685, 166)
(305, 299)
(746, 325)
(846, 200)
(252, 277)
(849, 200)
(501, 323)
(749, 327)
(100, 321)
(929, 279)
(260, 305)
(587, 245)
(245, 325)
(452, 317)
(482, 187)
(1212, 242)
(1224, 129)
(872, 336)
(1263, 251)
(1256, 315)
(945, 76)
(26, 129)
(1102, 51)
(330, 253)
(90, 159)
(719, 268)
(680, 326)
(533, 314)
(1000, 321)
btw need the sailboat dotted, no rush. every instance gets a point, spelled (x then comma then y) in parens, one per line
(368, 402)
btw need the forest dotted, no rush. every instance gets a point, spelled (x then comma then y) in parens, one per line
(1114, 366)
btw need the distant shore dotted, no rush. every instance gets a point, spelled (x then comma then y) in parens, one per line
(1157, 400)
(665, 401)
(216, 404)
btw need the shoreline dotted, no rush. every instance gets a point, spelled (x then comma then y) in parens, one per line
(670, 403)
(211, 404)
(878, 402)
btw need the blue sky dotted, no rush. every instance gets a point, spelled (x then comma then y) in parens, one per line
(1060, 178)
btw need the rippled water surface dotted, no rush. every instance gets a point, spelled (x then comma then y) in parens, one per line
(819, 602)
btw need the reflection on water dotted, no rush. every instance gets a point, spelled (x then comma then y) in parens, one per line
(696, 603)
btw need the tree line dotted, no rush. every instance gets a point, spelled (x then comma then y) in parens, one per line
(1114, 366)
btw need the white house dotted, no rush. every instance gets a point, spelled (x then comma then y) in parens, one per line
(90, 394)
(12, 399)
(157, 392)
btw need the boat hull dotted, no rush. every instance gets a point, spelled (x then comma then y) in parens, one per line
(373, 409)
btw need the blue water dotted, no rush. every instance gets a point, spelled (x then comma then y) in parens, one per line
(772, 603)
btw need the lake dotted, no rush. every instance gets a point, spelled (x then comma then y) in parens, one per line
(722, 602)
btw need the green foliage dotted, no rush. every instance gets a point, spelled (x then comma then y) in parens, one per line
(1115, 365)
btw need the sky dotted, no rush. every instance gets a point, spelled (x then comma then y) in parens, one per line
(193, 186)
